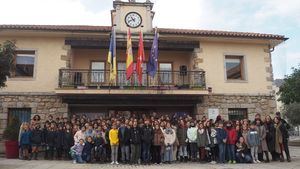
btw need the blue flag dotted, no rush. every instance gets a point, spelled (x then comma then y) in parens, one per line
(152, 63)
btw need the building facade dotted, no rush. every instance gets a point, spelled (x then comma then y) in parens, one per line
(62, 70)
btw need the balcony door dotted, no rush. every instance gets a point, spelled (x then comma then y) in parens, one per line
(97, 72)
(165, 73)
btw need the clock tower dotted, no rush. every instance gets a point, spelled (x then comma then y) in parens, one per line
(132, 14)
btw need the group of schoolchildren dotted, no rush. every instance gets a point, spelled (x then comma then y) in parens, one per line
(155, 139)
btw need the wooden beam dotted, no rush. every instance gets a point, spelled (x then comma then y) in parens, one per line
(121, 44)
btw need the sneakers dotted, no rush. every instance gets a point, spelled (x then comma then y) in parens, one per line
(116, 163)
(258, 161)
(213, 162)
(229, 162)
(112, 163)
(233, 162)
(74, 162)
(254, 161)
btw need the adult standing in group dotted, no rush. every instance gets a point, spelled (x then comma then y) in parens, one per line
(270, 136)
(285, 135)
(135, 143)
(192, 138)
(182, 140)
(147, 139)
(263, 147)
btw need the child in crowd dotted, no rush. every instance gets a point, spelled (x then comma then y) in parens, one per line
(36, 140)
(87, 150)
(76, 152)
(114, 143)
(242, 153)
(253, 142)
(221, 140)
(192, 138)
(25, 142)
(170, 137)
(231, 141)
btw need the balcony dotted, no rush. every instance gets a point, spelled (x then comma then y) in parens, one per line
(97, 81)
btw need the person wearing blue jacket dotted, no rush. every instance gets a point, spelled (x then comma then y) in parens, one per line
(25, 142)
(221, 140)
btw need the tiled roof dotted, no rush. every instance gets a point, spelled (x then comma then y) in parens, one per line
(205, 33)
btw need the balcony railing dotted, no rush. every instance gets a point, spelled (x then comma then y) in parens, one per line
(99, 79)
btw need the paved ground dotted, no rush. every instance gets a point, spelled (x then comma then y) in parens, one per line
(41, 164)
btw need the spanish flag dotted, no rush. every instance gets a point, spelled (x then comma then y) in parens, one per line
(129, 56)
(111, 58)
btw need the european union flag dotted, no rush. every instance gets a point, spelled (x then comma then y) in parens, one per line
(152, 63)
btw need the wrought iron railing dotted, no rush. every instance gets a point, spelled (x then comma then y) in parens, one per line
(85, 78)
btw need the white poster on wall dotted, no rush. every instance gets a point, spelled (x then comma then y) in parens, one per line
(213, 113)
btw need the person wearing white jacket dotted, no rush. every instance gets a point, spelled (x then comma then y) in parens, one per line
(192, 139)
(170, 137)
(80, 134)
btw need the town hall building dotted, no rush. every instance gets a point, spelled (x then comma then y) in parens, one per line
(62, 70)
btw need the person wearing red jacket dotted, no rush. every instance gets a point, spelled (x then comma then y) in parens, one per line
(231, 141)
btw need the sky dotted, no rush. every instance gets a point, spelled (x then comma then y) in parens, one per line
(262, 16)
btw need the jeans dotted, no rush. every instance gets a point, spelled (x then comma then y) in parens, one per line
(125, 153)
(254, 150)
(221, 147)
(245, 158)
(86, 157)
(156, 154)
(135, 153)
(77, 158)
(114, 153)
(183, 151)
(146, 152)
(194, 150)
(230, 148)
(168, 153)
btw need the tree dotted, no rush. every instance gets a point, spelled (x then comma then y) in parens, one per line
(7, 54)
(290, 90)
(292, 112)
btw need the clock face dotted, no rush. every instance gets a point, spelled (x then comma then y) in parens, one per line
(133, 19)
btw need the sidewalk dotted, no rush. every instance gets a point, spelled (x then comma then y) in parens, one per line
(42, 164)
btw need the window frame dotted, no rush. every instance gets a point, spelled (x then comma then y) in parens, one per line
(104, 71)
(172, 74)
(243, 66)
(246, 116)
(13, 76)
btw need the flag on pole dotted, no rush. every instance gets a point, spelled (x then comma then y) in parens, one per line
(140, 60)
(129, 56)
(152, 63)
(111, 57)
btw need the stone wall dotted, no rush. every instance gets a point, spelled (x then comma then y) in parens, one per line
(42, 104)
(263, 104)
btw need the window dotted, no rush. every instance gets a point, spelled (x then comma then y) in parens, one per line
(24, 64)
(22, 114)
(237, 113)
(98, 73)
(165, 72)
(234, 67)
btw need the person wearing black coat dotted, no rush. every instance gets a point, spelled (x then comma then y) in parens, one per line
(100, 151)
(87, 150)
(124, 142)
(135, 143)
(285, 135)
(68, 141)
(49, 136)
(270, 136)
(59, 142)
(147, 139)
(36, 140)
